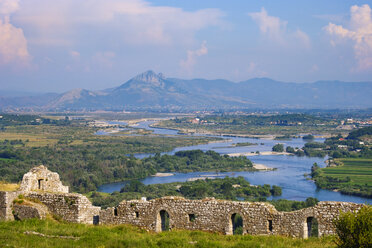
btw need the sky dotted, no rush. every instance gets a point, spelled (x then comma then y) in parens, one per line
(55, 46)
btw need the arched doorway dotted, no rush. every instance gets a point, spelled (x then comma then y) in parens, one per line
(162, 221)
(311, 227)
(236, 224)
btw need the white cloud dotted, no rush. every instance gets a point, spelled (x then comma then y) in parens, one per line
(276, 29)
(137, 21)
(303, 38)
(192, 55)
(8, 7)
(13, 44)
(359, 31)
(270, 25)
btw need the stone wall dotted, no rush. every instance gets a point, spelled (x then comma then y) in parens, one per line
(215, 215)
(41, 179)
(28, 210)
(6, 202)
(68, 206)
(44, 187)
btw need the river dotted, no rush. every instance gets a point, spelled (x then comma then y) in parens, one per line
(289, 173)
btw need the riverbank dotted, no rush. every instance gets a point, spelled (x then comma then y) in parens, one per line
(267, 134)
(262, 167)
(288, 173)
(159, 174)
(267, 153)
(351, 176)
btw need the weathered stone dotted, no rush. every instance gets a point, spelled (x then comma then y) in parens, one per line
(29, 210)
(40, 178)
(208, 214)
(6, 200)
(216, 215)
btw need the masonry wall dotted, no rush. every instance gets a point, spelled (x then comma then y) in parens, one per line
(44, 188)
(6, 201)
(70, 207)
(41, 179)
(215, 215)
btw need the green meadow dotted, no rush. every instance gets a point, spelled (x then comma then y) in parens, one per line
(359, 171)
(50, 233)
(353, 176)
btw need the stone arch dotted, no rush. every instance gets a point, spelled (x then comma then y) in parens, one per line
(235, 223)
(311, 227)
(162, 221)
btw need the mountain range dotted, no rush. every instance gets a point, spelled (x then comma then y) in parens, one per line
(150, 90)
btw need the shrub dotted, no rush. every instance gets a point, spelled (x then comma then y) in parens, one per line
(278, 148)
(354, 229)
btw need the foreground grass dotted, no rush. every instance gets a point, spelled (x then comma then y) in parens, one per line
(12, 234)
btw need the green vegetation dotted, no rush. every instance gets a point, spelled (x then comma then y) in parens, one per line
(85, 161)
(308, 137)
(278, 148)
(197, 160)
(355, 145)
(27, 234)
(245, 144)
(354, 230)
(289, 205)
(284, 137)
(285, 125)
(352, 176)
(226, 188)
(359, 133)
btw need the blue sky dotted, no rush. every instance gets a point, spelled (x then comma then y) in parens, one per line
(96, 44)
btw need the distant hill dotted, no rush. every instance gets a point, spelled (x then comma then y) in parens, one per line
(154, 91)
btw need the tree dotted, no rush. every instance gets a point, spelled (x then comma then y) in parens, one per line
(308, 137)
(276, 190)
(289, 149)
(354, 229)
(278, 148)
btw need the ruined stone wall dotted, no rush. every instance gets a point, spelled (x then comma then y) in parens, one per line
(28, 210)
(215, 215)
(41, 179)
(68, 206)
(6, 202)
(47, 194)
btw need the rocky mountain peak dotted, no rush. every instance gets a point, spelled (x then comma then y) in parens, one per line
(150, 77)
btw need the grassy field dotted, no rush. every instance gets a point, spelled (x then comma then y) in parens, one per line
(353, 176)
(8, 186)
(357, 169)
(28, 234)
(43, 135)
(250, 130)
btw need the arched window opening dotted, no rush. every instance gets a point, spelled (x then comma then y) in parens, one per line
(311, 227)
(164, 220)
(40, 183)
(237, 224)
(270, 225)
(192, 217)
